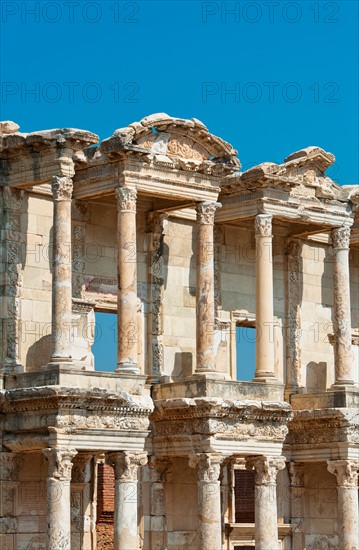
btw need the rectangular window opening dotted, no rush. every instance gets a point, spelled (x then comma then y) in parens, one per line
(246, 352)
(104, 347)
(244, 496)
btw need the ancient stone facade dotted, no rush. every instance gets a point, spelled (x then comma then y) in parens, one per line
(158, 224)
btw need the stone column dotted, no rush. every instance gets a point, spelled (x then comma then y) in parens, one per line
(205, 287)
(125, 519)
(158, 521)
(296, 474)
(294, 294)
(346, 472)
(155, 227)
(342, 318)
(209, 499)
(266, 518)
(264, 300)
(58, 498)
(61, 271)
(127, 360)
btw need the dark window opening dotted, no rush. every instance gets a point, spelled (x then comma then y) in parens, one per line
(104, 347)
(246, 353)
(244, 496)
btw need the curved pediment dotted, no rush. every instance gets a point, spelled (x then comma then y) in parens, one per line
(174, 137)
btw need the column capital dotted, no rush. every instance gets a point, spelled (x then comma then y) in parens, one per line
(206, 212)
(266, 468)
(208, 465)
(263, 225)
(341, 237)
(160, 466)
(346, 472)
(126, 198)
(60, 462)
(79, 467)
(61, 188)
(126, 464)
(296, 474)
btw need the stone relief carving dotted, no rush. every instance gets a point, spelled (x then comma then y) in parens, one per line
(37, 543)
(126, 198)
(10, 465)
(323, 543)
(61, 188)
(293, 250)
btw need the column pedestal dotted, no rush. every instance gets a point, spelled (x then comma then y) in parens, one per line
(346, 472)
(209, 500)
(125, 517)
(58, 498)
(266, 519)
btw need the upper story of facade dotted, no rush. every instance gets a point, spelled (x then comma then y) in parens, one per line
(159, 224)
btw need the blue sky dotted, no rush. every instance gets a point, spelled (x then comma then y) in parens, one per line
(270, 77)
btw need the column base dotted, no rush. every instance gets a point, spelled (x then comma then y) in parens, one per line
(342, 384)
(127, 368)
(64, 362)
(266, 378)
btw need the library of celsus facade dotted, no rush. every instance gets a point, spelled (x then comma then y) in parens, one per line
(167, 449)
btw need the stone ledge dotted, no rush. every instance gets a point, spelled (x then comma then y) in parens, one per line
(333, 398)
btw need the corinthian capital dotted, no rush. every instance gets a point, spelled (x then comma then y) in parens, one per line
(60, 463)
(266, 468)
(206, 212)
(263, 225)
(126, 464)
(341, 237)
(208, 466)
(61, 188)
(126, 198)
(346, 472)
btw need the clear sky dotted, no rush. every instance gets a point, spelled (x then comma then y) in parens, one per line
(270, 77)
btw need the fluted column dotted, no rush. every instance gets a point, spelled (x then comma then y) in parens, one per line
(266, 520)
(61, 271)
(342, 317)
(209, 499)
(264, 299)
(58, 498)
(127, 360)
(296, 474)
(125, 518)
(205, 287)
(346, 472)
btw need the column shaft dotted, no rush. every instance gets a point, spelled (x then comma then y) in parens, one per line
(205, 287)
(342, 317)
(346, 472)
(125, 517)
(264, 299)
(59, 498)
(127, 360)
(266, 519)
(209, 500)
(61, 271)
